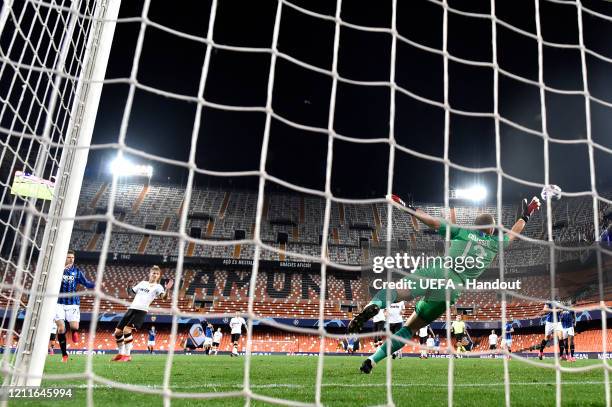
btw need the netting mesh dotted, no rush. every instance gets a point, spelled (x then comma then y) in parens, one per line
(43, 74)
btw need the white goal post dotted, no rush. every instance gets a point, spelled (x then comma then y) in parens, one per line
(32, 348)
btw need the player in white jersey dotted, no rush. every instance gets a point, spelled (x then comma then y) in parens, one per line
(217, 340)
(423, 333)
(146, 292)
(396, 320)
(236, 324)
(431, 345)
(493, 340)
(379, 326)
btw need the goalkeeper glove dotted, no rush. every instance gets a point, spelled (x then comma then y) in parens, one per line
(399, 200)
(530, 208)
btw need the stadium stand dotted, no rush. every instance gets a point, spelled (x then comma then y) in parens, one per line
(218, 215)
(296, 293)
(293, 224)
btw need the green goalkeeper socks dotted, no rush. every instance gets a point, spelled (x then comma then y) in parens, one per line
(396, 345)
(380, 298)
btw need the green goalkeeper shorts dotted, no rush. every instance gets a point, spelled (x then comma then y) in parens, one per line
(432, 284)
(429, 310)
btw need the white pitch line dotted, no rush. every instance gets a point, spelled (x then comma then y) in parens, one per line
(348, 385)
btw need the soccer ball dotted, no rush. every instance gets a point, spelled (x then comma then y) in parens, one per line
(551, 191)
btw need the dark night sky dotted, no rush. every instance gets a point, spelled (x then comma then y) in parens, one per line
(230, 141)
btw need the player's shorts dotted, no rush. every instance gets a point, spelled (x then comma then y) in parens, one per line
(395, 327)
(379, 327)
(208, 342)
(70, 313)
(492, 346)
(568, 332)
(235, 337)
(433, 303)
(133, 318)
(422, 340)
(151, 343)
(190, 344)
(215, 344)
(551, 327)
(459, 337)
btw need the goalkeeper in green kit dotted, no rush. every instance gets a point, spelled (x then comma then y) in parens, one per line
(481, 244)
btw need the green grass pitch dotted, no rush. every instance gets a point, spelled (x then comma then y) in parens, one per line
(416, 382)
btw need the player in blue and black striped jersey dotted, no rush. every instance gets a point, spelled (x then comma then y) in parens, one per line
(68, 306)
(208, 337)
(151, 341)
(552, 330)
(508, 339)
(568, 321)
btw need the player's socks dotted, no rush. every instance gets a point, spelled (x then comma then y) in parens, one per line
(119, 340)
(61, 338)
(542, 345)
(396, 345)
(572, 350)
(127, 340)
(561, 347)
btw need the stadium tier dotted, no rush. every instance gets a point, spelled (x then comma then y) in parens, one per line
(292, 223)
(296, 294)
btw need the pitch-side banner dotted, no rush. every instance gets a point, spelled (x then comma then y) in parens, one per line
(581, 317)
(199, 261)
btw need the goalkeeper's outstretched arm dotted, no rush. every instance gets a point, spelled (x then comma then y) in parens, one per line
(518, 227)
(423, 216)
(528, 210)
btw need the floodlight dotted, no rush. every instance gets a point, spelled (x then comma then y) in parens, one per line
(124, 168)
(474, 193)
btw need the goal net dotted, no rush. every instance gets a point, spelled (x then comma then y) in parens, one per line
(53, 68)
